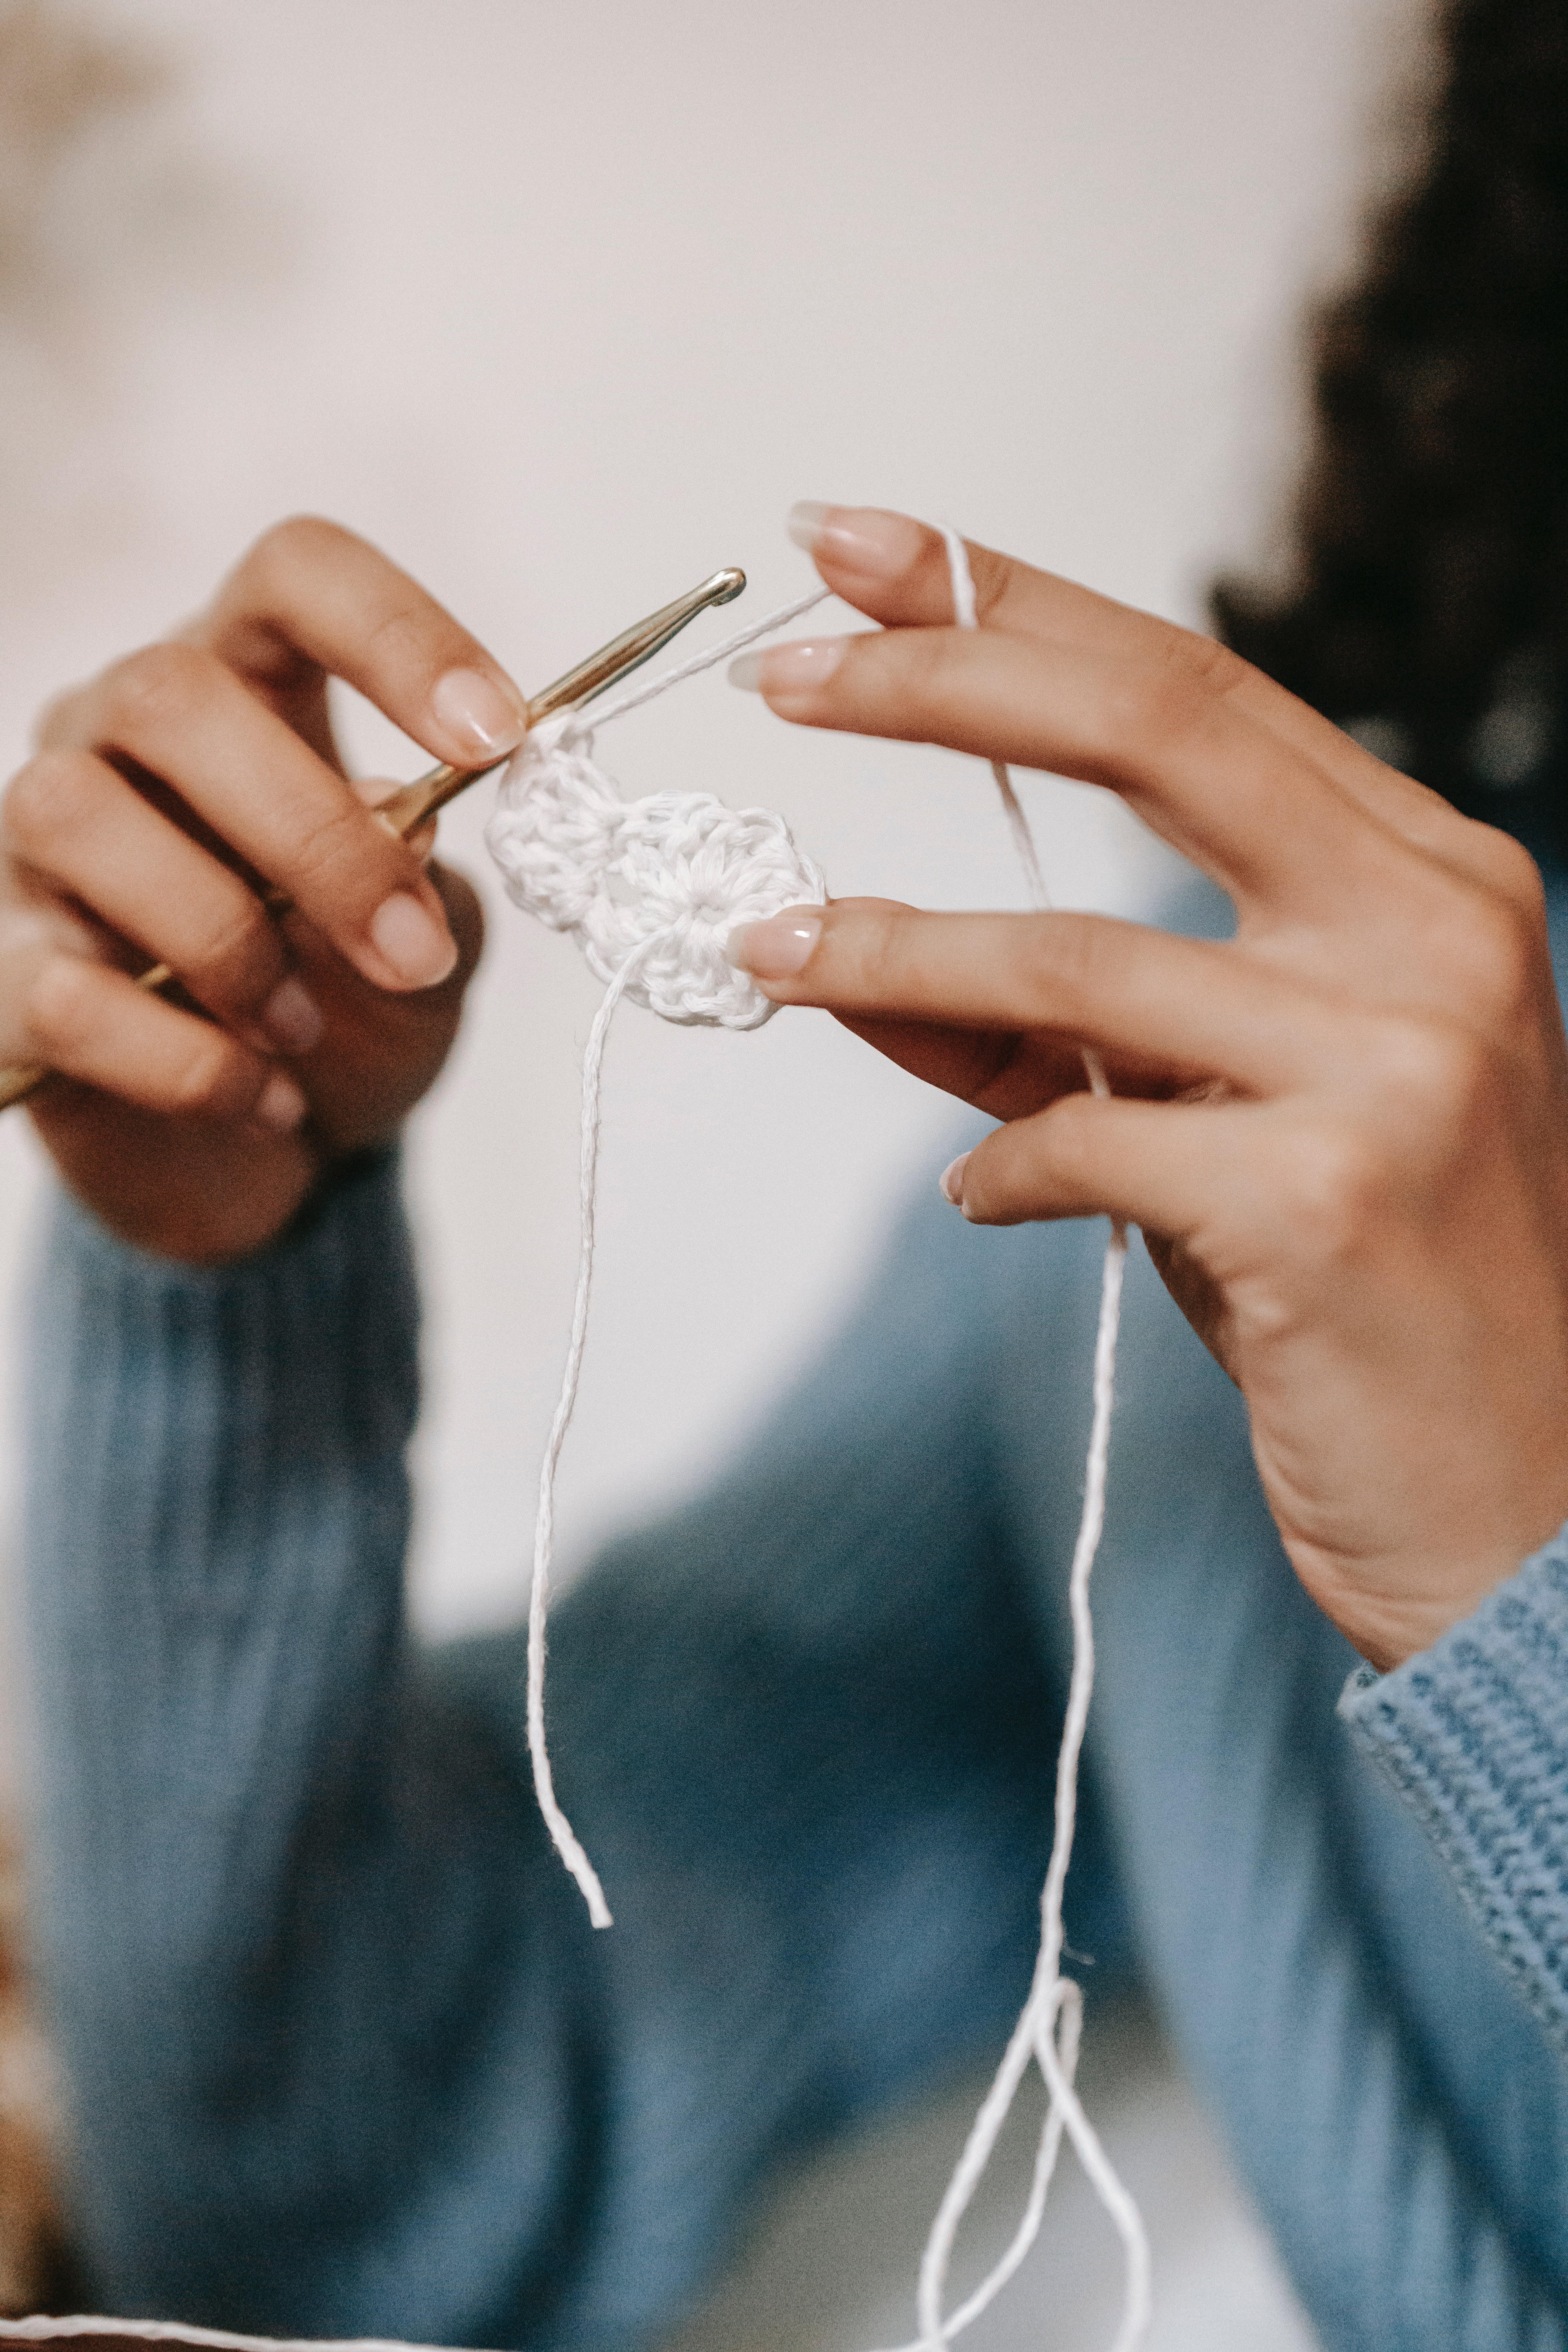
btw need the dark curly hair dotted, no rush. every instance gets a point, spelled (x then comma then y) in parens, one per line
(1429, 607)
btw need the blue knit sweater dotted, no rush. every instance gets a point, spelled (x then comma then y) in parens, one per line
(345, 2057)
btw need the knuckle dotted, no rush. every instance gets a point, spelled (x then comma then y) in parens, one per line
(153, 688)
(296, 543)
(1440, 1072)
(402, 632)
(344, 842)
(926, 677)
(1033, 1168)
(1067, 1139)
(1491, 948)
(1064, 959)
(994, 576)
(54, 793)
(1507, 867)
(237, 959)
(1181, 684)
(1337, 1178)
(1206, 665)
(1503, 963)
(61, 1005)
(213, 1079)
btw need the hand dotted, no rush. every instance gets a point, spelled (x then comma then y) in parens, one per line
(165, 796)
(1345, 1133)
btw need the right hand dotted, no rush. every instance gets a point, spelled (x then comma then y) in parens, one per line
(1345, 1130)
(165, 796)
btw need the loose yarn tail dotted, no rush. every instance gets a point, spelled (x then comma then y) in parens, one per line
(1049, 2028)
(568, 1845)
(566, 1842)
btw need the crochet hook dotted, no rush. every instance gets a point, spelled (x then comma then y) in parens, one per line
(413, 805)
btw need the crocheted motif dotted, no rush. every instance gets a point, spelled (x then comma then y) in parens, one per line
(671, 875)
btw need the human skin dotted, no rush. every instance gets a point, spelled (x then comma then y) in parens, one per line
(165, 793)
(1343, 1132)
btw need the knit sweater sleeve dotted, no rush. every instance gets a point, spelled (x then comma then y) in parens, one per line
(1473, 1733)
(343, 2056)
(285, 1979)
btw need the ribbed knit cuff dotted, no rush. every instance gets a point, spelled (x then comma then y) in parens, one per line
(307, 1347)
(1473, 1733)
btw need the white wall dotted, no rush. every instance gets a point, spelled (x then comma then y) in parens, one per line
(564, 305)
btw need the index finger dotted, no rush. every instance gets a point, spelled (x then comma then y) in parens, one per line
(1193, 1009)
(895, 570)
(1158, 723)
(312, 600)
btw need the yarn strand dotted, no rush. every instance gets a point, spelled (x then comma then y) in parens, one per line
(565, 1838)
(1048, 2030)
(587, 721)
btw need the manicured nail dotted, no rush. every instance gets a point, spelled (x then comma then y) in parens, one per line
(775, 949)
(868, 540)
(407, 936)
(291, 1016)
(788, 669)
(279, 1106)
(951, 1180)
(482, 718)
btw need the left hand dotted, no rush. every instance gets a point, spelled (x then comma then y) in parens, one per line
(1344, 1132)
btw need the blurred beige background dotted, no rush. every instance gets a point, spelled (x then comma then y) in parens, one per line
(564, 305)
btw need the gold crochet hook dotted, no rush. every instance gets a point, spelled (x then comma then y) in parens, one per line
(413, 805)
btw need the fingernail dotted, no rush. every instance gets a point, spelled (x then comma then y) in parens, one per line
(775, 949)
(869, 540)
(482, 718)
(951, 1180)
(279, 1106)
(788, 669)
(409, 939)
(292, 1017)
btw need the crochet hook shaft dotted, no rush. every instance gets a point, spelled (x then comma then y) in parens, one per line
(413, 804)
(416, 801)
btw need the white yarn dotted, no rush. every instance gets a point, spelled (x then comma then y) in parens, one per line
(964, 614)
(1048, 2029)
(665, 879)
(39, 2330)
(565, 1840)
(779, 618)
(650, 890)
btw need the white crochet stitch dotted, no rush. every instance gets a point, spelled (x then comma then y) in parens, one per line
(671, 875)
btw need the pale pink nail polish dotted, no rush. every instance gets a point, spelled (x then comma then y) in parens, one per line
(775, 949)
(279, 1106)
(951, 1180)
(482, 718)
(409, 939)
(871, 540)
(292, 1017)
(788, 669)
